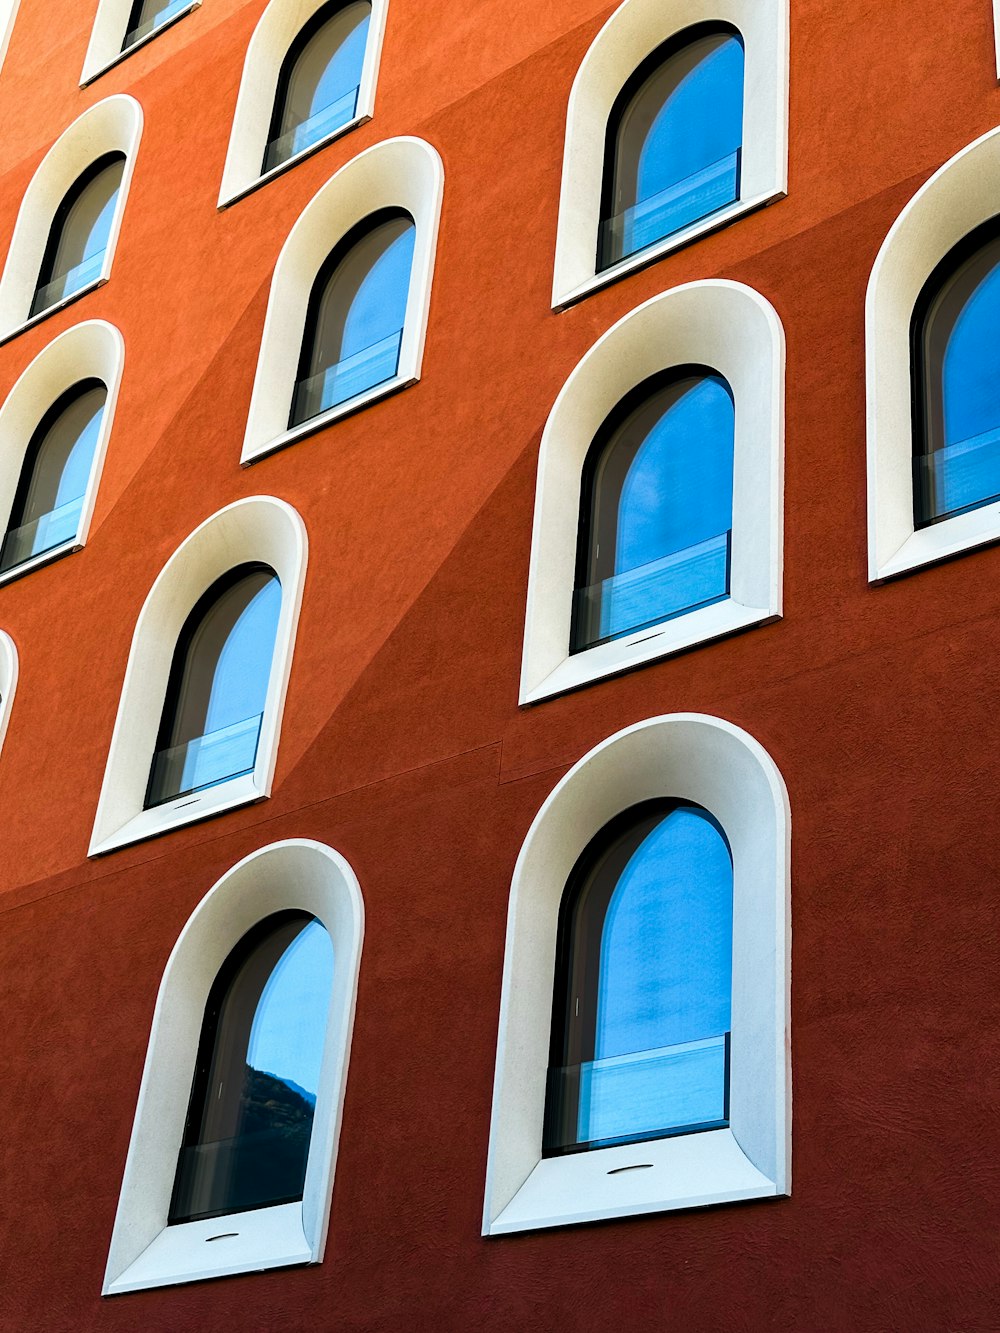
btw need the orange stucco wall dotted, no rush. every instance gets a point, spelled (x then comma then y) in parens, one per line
(404, 748)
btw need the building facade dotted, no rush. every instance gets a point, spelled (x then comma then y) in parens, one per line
(463, 693)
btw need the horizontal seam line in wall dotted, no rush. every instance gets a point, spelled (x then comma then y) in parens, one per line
(120, 869)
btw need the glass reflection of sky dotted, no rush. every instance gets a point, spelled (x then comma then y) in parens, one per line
(679, 487)
(289, 1027)
(243, 669)
(330, 66)
(62, 467)
(379, 307)
(971, 371)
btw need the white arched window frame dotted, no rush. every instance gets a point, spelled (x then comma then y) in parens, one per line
(959, 197)
(93, 350)
(8, 681)
(712, 763)
(259, 529)
(108, 34)
(145, 1251)
(733, 330)
(401, 173)
(275, 32)
(8, 13)
(111, 126)
(632, 33)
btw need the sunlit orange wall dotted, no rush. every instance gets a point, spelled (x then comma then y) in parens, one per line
(404, 748)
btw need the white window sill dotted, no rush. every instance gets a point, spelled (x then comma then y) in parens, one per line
(293, 161)
(37, 561)
(645, 645)
(246, 1243)
(951, 537)
(185, 810)
(52, 309)
(691, 1171)
(89, 76)
(676, 241)
(251, 453)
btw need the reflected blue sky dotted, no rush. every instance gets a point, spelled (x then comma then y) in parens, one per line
(331, 65)
(289, 1028)
(243, 668)
(971, 368)
(379, 308)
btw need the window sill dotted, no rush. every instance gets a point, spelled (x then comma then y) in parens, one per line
(89, 76)
(53, 309)
(37, 561)
(692, 1171)
(251, 453)
(646, 645)
(191, 809)
(653, 253)
(941, 541)
(228, 200)
(247, 1243)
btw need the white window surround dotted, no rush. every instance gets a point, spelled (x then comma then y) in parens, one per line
(92, 350)
(111, 126)
(8, 681)
(403, 173)
(279, 25)
(145, 1251)
(956, 199)
(717, 765)
(8, 13)
(716, 323)
(632, 33)
(259, 528)
(108, 34)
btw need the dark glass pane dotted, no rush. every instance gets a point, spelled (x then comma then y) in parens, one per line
(218, 686)
(355, 322)
(656, 508)
(642, 1005)
(246, 1141)
(54, 477)
(78, 240)
(673, 144)
(148, 15)
(319, 81)
(957, 360)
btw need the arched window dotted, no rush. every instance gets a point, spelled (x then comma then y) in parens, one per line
(357, 310)
(218, 686)
(672, 154)
(148, 15)
(656, 511)
(642, 1002)
(78, 239)
(956, 381)
(319, 80)
(55, 475)
(249, 1122)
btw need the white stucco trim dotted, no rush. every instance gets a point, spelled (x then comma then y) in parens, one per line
(92, 350)
(632, 32)
(279, 25)
(735, 331)
(259, 528)
(145, 1251)
(108, 34)
(404, 173)
(958, 197)
(717, 765)
(8, 681)
(8, 13)
(111, 126)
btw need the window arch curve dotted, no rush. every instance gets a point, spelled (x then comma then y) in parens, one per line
(296, 883)
(674, 138)
(282, 32)
(588, 616)
(122, 26)
(56, 422)
(597, 215)
(105, 133)
(397, 178)
(946, 224)
(162, 709)
(680, 761)
(78, 238)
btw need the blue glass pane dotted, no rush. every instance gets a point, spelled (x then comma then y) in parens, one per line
(243, 668)
(76, 254)
(149, 16)
(378, 311)
(676, 151)
(286, 1041)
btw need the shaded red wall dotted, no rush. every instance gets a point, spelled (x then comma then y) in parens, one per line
(402, 744)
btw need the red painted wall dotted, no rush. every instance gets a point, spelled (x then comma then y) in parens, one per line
(404, 748)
